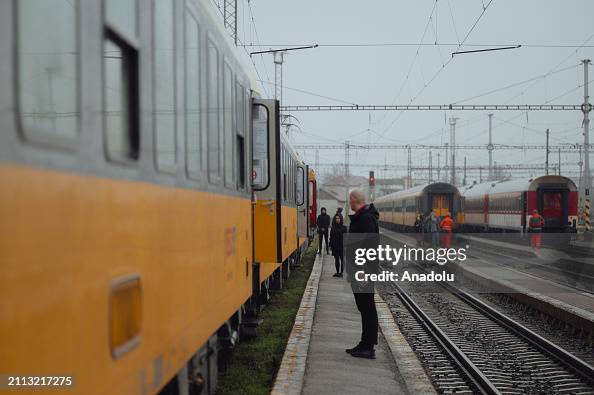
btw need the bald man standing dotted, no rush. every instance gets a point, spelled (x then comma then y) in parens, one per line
(365, 220)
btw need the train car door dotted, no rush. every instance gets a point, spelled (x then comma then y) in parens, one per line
(441, 204)
(312, 201)
(524, 208)
(266, 184)
(553, 207)
(301, 200)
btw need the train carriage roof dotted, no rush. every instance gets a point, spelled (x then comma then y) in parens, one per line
(436, 187)
(517, 185)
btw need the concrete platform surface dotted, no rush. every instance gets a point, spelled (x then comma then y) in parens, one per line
(336, 326)
(315, 361)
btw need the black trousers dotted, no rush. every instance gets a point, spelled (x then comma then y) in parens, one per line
(366, 305)
(339, 263)
(323, 235)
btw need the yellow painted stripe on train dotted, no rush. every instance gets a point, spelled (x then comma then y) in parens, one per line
(64, 238)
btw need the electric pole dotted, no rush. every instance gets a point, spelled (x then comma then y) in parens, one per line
(547, 155)
(586, 108)
(346, 176)
(490, 147)
(430, 167)
(230, 18)
(447, 158)
(278, 76)
(438, 166)
(409, 168)
(464, 179)
(453, 148)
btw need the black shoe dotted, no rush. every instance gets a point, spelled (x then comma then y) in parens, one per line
(339, 275)
(368, 353)
(335, 275)
(351, 350)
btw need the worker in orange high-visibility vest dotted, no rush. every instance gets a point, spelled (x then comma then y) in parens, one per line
(447, 227)
(535, 225)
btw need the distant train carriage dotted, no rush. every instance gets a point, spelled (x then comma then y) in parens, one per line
(506, 206)
(399, 210)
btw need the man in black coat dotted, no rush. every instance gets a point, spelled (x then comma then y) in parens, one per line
(323, 223)
(365, 221)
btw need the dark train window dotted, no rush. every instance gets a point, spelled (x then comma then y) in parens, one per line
(284, 171)
(48, 76)
(240, 163)
(192, 88)
(120, 68)
(120, 63)
(240, 110)
(213, 111)
(164, 80)
(228, 127)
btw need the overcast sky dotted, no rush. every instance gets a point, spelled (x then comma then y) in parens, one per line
(375, 75)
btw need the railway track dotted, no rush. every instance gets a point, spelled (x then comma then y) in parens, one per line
(470, 347)
(580, 281)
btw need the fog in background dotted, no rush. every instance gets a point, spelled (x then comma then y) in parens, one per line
(397, 74)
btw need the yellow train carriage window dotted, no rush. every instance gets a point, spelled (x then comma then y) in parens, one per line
(214, 168)
(228, 126)
(120, 70)
(240, 110)
(300, 186)
(261, 160)
(125, 314)
(192, 89)
(48, 75)
(164, 80)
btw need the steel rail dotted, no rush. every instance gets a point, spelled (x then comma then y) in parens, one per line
(476, 376)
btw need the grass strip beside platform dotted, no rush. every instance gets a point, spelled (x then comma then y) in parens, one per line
(254, 362)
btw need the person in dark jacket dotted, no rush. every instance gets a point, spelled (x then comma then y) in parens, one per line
(365, 221)
(323, 223)
(336, 243)
(339, 213)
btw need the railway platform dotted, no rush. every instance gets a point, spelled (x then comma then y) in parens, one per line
(327, 322)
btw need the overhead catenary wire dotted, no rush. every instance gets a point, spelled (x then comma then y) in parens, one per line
(253, 24)
(439, 71)
(423, 44)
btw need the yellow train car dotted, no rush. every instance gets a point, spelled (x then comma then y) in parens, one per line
(128, 220)
(280, 207)
(399, 210)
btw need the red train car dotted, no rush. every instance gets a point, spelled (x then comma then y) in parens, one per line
(312, 201)
(507, 205)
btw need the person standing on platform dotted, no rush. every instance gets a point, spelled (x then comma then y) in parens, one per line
(336, 243)
(364, 221)
(447, 226)
(535, 225)
(339, 213)
(418, 226)
(432, 226)
(323, 223)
